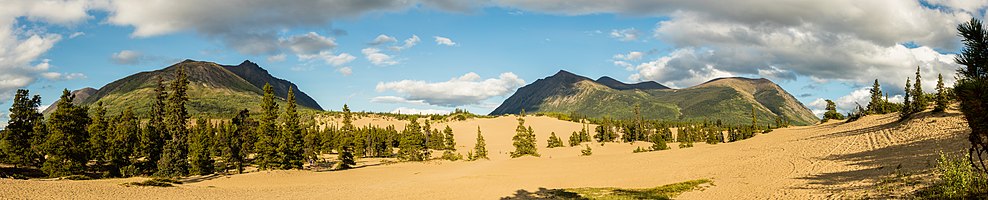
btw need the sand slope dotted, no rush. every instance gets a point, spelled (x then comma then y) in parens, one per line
(833, 160)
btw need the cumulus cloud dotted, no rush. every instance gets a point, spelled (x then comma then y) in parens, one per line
(849, 102)
(376, 57)
(681, 68)
(329, 57)
(277, 58)
(630, 34)
(468, 89)
(404, 110)
(444, 41)
(843, 40)
(409, 43)
(346, 71)
(631, 56)
(308, 43)
(23, 45)
(383, 39)
(76, 34)
(396, 100)
(126, 57)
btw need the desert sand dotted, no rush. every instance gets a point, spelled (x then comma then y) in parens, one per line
(834, 160)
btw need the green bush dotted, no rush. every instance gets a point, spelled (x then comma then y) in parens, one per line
(956, 179)
(587, 151)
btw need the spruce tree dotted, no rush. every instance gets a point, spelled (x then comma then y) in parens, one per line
(121, 144)
(876, 104)
(174, 159)
(554, 141)
(941, 97)
(153, 135)
(830, 114)
(199, 153)
(412, 146)
(658, 142)
(290, 148)
(311, 145)
(907, 105)
(235, 143)
(574, 139)
(919, 97)
(346, 141)
(266, 145)
(524, 141)
(66, 147)
(97, 129)
(16, 139)
(450, 142)
(480, 149)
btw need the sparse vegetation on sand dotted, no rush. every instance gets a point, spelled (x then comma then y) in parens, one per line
(609, 193)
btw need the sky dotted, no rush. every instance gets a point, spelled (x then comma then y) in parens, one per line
(432, 56)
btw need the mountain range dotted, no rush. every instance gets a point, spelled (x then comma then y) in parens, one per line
(214, 89)
(729, 100)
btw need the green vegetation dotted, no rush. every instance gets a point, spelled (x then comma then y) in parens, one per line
(941, 98)
(832, 112)
(154, 182)
(554, 141)
(524, 141)
(971, 88)
(586, 152)
(956, 179)
(480, 149)
(609, 193)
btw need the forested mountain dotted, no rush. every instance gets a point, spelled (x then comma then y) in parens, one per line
(729, 100)
(214, 89)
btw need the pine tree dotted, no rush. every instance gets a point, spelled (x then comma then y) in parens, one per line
(972, 83)
(574, 139)
(266, 145)
(876, 104)
(290, 148)
(234, 142)
(907, 106)
(346, 159)
(554, 141)
(941, 97)
(450, 142)
(66, 147)
(480, 149)
(16, 139)
(199, 153)
(97, 129)
(174, 159)
(830, 114)
(121, 144)
(311, 145)
(658, 142)
(347, 141)
(412, 146)
(919, 97)
(524, 141)
(153, 134)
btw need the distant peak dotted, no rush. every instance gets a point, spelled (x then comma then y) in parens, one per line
(188, 60)
(564, 73)
(606, 78)
(247, 62)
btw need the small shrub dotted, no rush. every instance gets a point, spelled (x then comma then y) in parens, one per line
(957, 179)
(587, 151)
(451, 156)
(641, 150)
(155, 182)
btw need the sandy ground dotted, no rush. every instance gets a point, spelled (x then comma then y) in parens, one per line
(827, 161)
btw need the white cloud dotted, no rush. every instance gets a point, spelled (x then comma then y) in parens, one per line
(330, 58)
(396, 100)
(308, 43)
(375, 56)
(681, 68)
(444, 41)
(631, 56)
(383, 39)
(61, 76)
(404, 110)
(847, 103)
(346, 71)
(127, 57)
(409, 43)
(468, 89)
(76, 34)
(277, 58)
(630, 34)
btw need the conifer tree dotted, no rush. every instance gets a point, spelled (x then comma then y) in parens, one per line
(199, 153)
(480, 149)
(66, 148)
(907, 105)
(831, 112)
(919, 97)
(16, 139)
(346, 159)
(658, 143)
(98, 127)
(153, 135)
(554, 141)
(941, 96)
(347, 142)
(877, 103)
(234, 142)
(266, 145)
(970, 88)
(121, 143)
(574, 139)
(174, 159)
(450, 142)
(412, 146)
(586, 152)
(524, 141)
(311, 144)
(290, 149)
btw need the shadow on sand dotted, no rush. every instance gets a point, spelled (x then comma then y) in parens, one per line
(543, 193)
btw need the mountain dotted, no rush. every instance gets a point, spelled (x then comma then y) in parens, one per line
(214, 89)
(727, 99)
(80, 95)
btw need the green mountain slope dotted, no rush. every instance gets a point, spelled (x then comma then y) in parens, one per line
(727, 99)
(214, 90)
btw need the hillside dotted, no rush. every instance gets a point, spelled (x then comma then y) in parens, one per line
(727, 99)
(214, 89)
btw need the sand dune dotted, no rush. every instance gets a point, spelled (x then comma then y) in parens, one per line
(832, 160)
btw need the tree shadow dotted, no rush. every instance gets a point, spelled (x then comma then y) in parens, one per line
(543, 193)
(196, 179)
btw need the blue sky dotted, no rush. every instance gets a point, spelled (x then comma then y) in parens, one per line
(822, 52)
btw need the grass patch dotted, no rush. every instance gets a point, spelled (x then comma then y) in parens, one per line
(155, 182)
(956, 179)
(609, 193)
